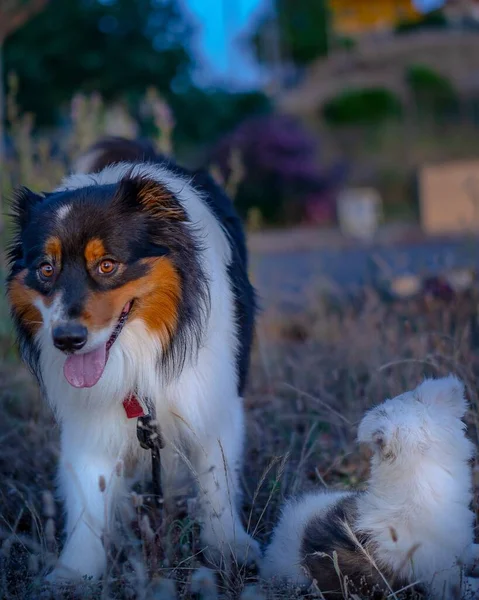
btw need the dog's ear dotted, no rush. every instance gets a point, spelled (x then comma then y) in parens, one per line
(378, 440)
(142, 193)
(447, 393)
(377, 432)
(23, 203)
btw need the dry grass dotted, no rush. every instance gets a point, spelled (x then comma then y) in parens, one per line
(39, 160)
(312, 377)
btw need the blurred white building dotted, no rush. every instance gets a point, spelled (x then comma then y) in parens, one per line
(460, 10)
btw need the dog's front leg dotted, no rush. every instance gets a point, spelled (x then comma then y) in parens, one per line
(88, 483)
(217, 461)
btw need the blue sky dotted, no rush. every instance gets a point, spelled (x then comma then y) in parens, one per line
(429, 4)
(219, 30)
(220, 24)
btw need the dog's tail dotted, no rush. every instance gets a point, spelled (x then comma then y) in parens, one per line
(112, 150)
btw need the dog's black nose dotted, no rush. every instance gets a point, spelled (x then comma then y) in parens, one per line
(70, 336)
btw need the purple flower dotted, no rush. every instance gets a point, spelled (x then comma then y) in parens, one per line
(280, 159)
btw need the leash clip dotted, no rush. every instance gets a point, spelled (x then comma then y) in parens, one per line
(148, 433)
(149, 436)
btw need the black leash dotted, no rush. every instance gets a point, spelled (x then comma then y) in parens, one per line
(149, 435)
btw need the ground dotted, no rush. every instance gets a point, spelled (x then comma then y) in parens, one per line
(289, 263)
(313, 374)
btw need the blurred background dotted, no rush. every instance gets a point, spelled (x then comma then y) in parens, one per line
(337, 126)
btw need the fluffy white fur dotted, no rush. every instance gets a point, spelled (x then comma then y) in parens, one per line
(199, 412)
(420, 483)
(282, 558)
(420, 487)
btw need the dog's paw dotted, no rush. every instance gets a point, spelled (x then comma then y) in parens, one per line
(239, 550)
(88, 567)
(61, 576)
(246, 551)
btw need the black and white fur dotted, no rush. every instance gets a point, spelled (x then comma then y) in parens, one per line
(198, 403)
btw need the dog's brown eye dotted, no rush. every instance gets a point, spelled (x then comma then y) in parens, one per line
(106, 267)
(46, 270)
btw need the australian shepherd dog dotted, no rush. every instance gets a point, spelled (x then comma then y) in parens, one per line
(413, 523)
(128, 284)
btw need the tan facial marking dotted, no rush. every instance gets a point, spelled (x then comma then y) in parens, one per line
(94, 250)
(158, 305)
(22, 300)
(53, 249)
(157, 296)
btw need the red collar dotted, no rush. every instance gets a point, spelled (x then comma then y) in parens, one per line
(133, 408)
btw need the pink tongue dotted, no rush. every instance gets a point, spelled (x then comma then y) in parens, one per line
(84, 370)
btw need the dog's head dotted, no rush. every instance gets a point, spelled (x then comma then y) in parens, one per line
(85, 262)
(423, 421)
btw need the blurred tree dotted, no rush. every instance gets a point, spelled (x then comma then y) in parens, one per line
(302, 32)
(433, 94)
(13, 15)
(362, 106)
(435, 19)
(202, 116)
(114, 47)
(120, 48)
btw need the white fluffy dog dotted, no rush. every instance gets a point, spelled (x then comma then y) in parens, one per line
(414, 522)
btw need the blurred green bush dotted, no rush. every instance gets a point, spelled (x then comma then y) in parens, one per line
(431, 20)
(431, 91)
(362, 106)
